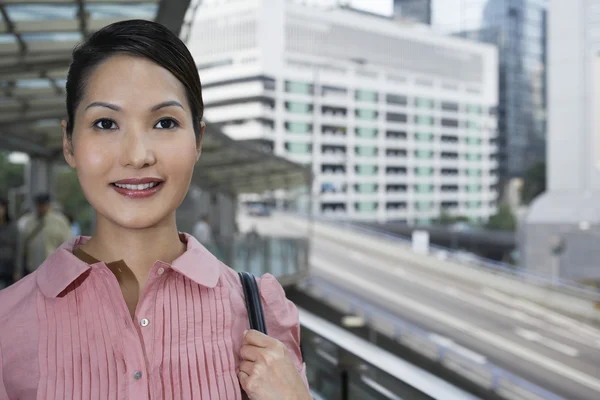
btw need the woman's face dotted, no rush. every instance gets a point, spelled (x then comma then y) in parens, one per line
(133, 142)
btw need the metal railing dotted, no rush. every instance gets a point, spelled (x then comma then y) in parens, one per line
(479, 371)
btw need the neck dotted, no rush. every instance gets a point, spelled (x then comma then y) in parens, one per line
(138, 248)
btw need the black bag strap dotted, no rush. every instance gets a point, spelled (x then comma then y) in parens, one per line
(254, 307)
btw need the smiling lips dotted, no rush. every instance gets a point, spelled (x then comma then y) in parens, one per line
(138, 188)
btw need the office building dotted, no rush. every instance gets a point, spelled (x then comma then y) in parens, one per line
(518, 29)
(397, 123)
(568, 213)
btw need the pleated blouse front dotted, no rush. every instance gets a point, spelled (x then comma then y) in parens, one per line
(66, 332)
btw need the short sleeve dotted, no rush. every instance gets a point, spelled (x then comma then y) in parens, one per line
(282, 319)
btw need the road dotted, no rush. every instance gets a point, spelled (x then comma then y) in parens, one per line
(549, 349)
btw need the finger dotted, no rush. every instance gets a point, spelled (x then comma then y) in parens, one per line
(247, 367)
(243, 378)
(250, 352)
(258, 339)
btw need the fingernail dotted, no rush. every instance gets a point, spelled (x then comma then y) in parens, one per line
(246, 331)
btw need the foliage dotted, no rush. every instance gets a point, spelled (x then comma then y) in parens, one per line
(69, 194)
(534, 182)
(503, 220)
(11, 175)
(447, 219)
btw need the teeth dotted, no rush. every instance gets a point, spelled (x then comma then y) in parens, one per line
(143, 186)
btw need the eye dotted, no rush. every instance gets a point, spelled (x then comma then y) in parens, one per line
(105, 124)
(166, 123)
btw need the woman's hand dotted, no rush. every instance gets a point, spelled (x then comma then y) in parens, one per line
(267, 371)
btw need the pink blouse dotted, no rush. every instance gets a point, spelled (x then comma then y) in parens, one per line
(66, 332)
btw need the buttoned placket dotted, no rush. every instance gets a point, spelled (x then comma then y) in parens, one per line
(138, 333)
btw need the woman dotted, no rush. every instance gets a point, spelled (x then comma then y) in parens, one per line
(8, 246)
(101, 317)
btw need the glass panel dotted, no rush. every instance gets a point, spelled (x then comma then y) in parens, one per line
(473, 109)
(366, 206)
(39, 12)
(366, 114)
(298, 127)
(422, 120)
(366, 95)
(110, 11)
(423, 103)
(298, 108)
(298, 87)
(366, 169)
(423, 171)
(424, 154)
(366, 132)
(299, 148)
(367, 188)
(366, 151)
(424, 137)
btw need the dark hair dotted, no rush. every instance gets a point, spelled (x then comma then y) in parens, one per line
(4, 203)
(42, 198)
(141, 38)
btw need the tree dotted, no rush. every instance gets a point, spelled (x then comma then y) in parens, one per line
(446, 219)
(534, 182)
(503, 220)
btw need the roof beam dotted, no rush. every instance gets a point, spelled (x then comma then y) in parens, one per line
(10, 27)
(19, 144)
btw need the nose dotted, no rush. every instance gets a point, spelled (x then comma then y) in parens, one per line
(136, 150)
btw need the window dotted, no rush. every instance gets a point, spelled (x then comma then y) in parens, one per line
(472, 125)
(423, 120)
(421, 102)
(473, 188)
(424, 188)
(366, 151)
(365, 188)
(366, 206)
(449, 188)
(473, 140)
(366, 170)
(424, 171)
(473, 204)
(395, 152)
(424, 205)
(424, 137)
(396, 135)
(473, 172)
(299, 87)
(396, 117)
(450, 122)
(449, 155)
(298, 148)
(472, 109)
(449, 106)
(298, 127)
(396, 188)
(424, 154)
(448, 205)
(366, 95)
(449, 139)
(366, 114)
(395, 205)
(298, 108)
(395, 170)
(366, 133)
(473, 157)
(449, 171)
(396, 99)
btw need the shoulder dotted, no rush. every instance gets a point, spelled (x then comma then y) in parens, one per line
(18, 308)
(280, 313)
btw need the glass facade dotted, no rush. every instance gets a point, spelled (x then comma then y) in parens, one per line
(518, 29)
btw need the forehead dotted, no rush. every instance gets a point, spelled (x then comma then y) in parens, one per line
(133, 81)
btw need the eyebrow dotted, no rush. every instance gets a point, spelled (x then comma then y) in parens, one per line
(167, 104)
(115, 107)
(103, 104)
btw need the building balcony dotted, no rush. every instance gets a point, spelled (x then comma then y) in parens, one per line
(252, 130)
(333, 197)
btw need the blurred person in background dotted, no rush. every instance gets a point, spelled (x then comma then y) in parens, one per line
(43, 233)
(8, 246)
(140, 310)
(75, 228)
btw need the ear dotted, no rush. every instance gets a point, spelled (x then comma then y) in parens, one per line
(67, 146)
(199, 141)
